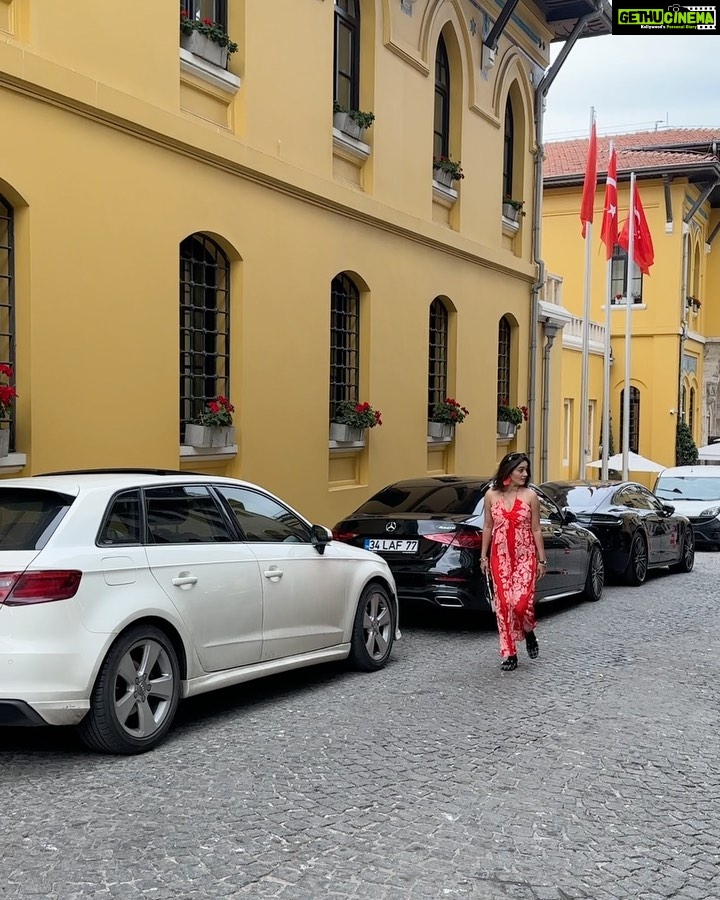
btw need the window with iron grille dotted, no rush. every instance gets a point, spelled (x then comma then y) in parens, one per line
(347, 53)
(206, 9)
(344, 341)
(509, 143)
(441, 130)
(7, 296)
(618, 278)
(503, 372)
(437, 354)
(634, 418)
(204, 325)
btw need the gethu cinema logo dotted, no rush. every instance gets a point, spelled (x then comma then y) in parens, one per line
(680, 17)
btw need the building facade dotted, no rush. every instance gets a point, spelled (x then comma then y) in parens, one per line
(675, 313)
(172, 229)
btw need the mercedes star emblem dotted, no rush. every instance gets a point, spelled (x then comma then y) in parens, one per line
(391, 526)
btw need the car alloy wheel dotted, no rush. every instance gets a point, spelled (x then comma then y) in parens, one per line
(136, 694)
(638, 563)
(596, 576)
(373, 631)
(687, 559)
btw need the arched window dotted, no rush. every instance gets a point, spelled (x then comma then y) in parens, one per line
(634, 418)
(691, 412)
(204, 325)
(347, 53)
(437, 354)
(508, 150)
(684, 407)
(441, 133)
(344, 341)
(206, 9)
(7, 295)
(503, 371)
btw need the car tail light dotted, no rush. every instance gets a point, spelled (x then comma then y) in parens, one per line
(344, 535)
(468, 540)
(26, 588)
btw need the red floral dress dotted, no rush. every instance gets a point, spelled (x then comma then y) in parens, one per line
(513, 564)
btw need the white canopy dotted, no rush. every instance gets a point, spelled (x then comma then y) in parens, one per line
(710, 452)
(636, 463)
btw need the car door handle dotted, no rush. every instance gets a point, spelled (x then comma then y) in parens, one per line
(273, 573)
(184, 578)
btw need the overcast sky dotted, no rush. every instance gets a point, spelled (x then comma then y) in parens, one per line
(634, 82)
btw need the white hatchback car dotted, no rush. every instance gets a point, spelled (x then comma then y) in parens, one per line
(123, 591)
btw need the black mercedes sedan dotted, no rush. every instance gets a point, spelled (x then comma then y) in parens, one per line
(636, 530)
(429, 530)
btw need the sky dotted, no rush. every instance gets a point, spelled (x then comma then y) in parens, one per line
(635, 82)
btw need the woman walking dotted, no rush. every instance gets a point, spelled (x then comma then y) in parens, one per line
(513, 536)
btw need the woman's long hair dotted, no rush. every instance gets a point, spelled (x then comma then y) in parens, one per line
(507, 465)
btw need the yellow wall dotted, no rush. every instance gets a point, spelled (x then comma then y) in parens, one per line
(116, 156)
(655, 325)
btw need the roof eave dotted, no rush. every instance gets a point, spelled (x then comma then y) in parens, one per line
(709, 170)
(572, 10)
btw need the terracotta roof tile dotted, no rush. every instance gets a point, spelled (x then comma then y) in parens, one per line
(637, 151)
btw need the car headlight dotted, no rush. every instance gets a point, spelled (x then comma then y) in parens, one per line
(710, 512)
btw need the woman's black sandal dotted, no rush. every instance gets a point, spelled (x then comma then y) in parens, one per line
(509, 664)
(531, 643)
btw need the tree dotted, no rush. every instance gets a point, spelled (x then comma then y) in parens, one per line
(686, 453)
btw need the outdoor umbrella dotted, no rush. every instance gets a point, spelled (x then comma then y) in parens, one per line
(636, 463)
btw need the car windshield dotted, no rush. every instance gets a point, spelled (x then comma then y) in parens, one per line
(432, 498)
(577, 497)
(29, 517)
(689, 488)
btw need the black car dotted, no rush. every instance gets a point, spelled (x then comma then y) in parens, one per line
(636, 530)
(429, 530)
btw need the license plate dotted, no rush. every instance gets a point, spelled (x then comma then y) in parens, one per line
(391, 545)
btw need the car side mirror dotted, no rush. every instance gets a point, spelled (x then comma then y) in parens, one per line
(668, 509)
(321, 536)
(569, 516)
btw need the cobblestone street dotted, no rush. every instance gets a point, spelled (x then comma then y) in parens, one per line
(589, 773)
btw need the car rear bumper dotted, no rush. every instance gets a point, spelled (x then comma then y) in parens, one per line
(446, 596)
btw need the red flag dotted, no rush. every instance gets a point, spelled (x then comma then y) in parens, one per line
(609, 231)
(643, 250)
(590, 183)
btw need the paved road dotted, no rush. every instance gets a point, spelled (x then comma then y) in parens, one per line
(591, 773)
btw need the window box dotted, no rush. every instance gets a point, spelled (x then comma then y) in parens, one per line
(205, 436)
(511, 212)
(201, 45)
(506, 429)
(345, 434)
(343, 123)
(4, 442)
(441, 431)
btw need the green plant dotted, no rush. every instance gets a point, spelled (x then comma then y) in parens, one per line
(445, 164)
(686, 452)
(357, 415)
(513, 414)
(7, 392)
(361, 119)
(217, 413)
(517, 205)
(212, 30)
(449, 412)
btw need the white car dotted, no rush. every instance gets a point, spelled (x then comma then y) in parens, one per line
(694, 491)
(123, 591)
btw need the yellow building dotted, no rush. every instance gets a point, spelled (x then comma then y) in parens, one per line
(172, 229)
(674, 316)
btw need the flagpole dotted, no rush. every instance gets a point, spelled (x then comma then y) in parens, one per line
(606, 350)
(584, 376)
(628, 329)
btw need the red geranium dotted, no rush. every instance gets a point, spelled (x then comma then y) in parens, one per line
(7, 392)
(217, 413)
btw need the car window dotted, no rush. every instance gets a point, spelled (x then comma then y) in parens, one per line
(447, 499)
(185, 514)
(633, 498)
(548, 510)
(706, 490)
(29, 517)
(122, 522)
(263, 519)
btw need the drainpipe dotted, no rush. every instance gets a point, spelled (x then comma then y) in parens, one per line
(550, 335)
(540, 96)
